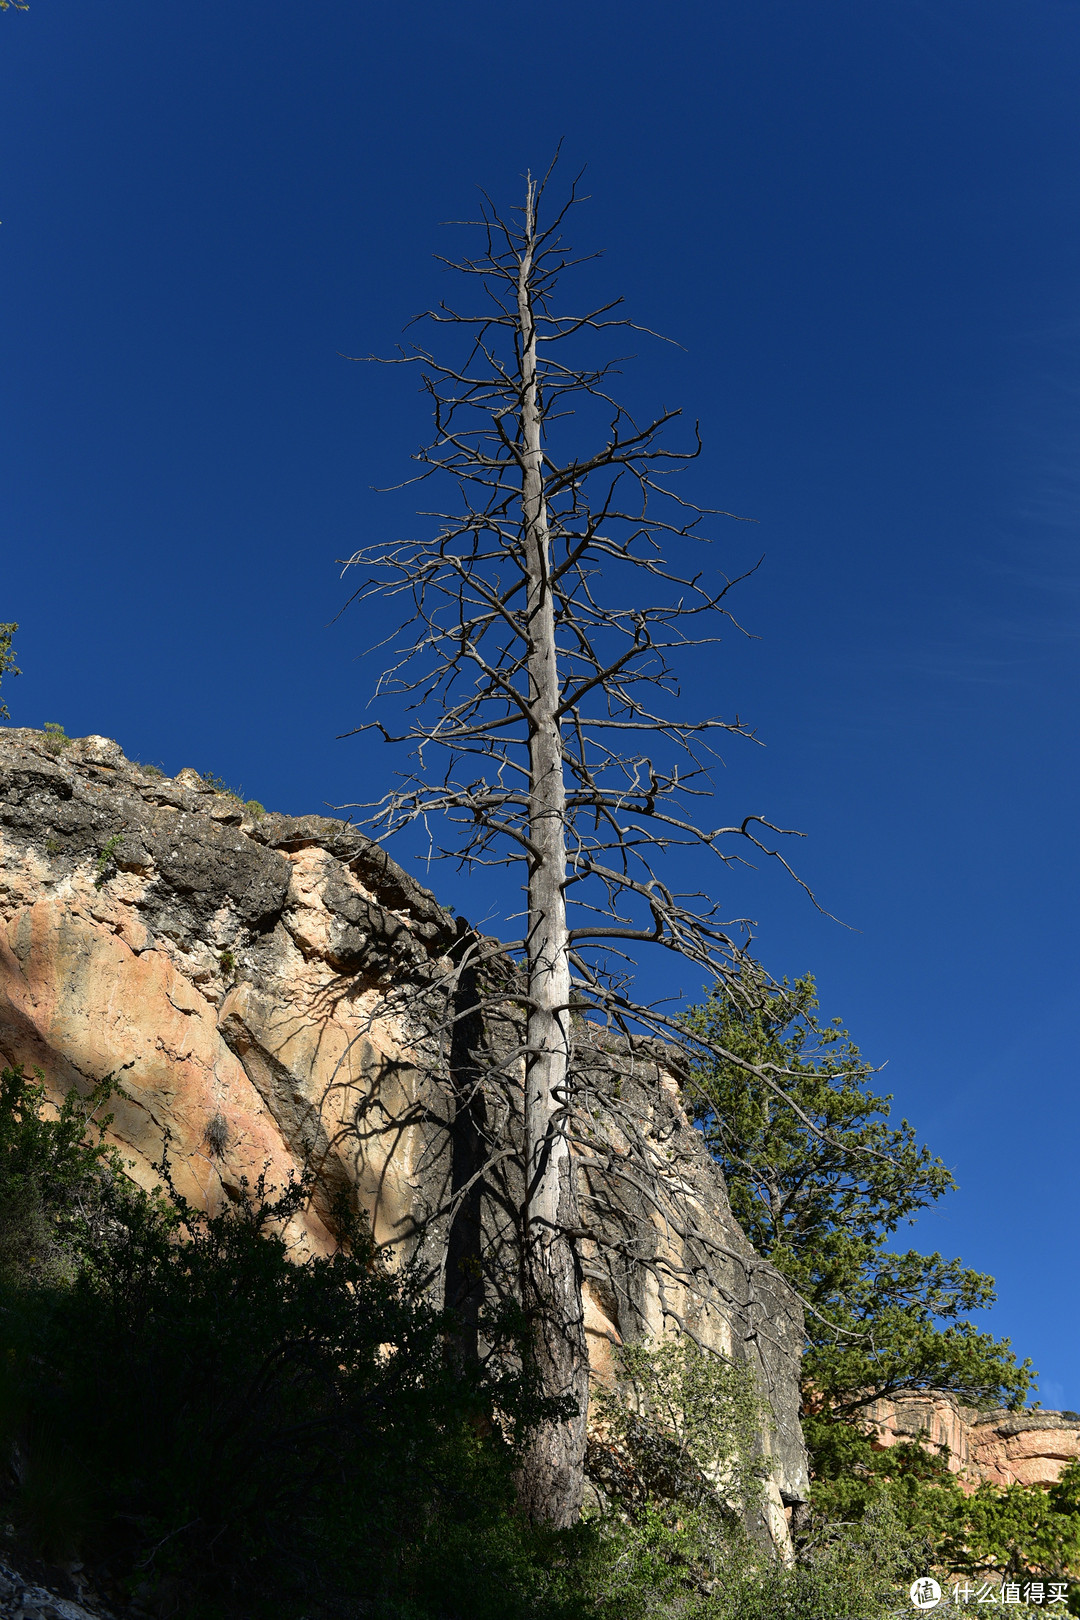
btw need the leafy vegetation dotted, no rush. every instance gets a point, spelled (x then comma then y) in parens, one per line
(821, 1192)
(682, 1425)
(107, 858)
(1017, 1531)
(678, 1474)
(217, 784)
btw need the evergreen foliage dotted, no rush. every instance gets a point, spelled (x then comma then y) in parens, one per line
(821, 1192)
(679, 1424)
(232, 1435)
(677, 1458)
(1018, 1531)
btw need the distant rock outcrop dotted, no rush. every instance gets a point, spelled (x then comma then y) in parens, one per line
(1029, 1447)
(270, 992)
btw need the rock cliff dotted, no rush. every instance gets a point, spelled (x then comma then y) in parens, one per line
(270, 991)
(1000, 1447)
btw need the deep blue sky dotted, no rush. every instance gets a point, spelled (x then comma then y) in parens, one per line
(861, 221)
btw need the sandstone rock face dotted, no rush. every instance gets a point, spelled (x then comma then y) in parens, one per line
(937, 1420)
(1023, 1448)
(270, 993)
(999, 1447)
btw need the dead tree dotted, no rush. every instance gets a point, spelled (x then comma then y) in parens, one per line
(534, 677)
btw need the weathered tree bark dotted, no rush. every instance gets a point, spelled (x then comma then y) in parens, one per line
(552, 1472)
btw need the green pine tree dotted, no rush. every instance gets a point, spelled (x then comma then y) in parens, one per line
(821, 1192)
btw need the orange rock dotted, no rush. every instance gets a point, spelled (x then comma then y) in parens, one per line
(1029, 1447)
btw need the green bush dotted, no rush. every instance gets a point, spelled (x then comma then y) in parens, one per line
(52, 1178)
(107, 859)
(1018, 1531)
(652, 1569)
(678, 1466)
(1012, 1533)
(679, 1424)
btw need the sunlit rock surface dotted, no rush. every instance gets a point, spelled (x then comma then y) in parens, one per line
(1029, 1447)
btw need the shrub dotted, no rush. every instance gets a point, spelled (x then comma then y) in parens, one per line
(679, 1424)
(52, 1181)
(107, 858)
(678, 1460)
(652, 1569)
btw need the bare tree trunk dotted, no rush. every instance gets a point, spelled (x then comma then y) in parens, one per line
(542, 700)
(552, 1472)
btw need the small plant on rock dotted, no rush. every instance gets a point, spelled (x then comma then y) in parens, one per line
(106, 859)
(217, 784)
(7, 660)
